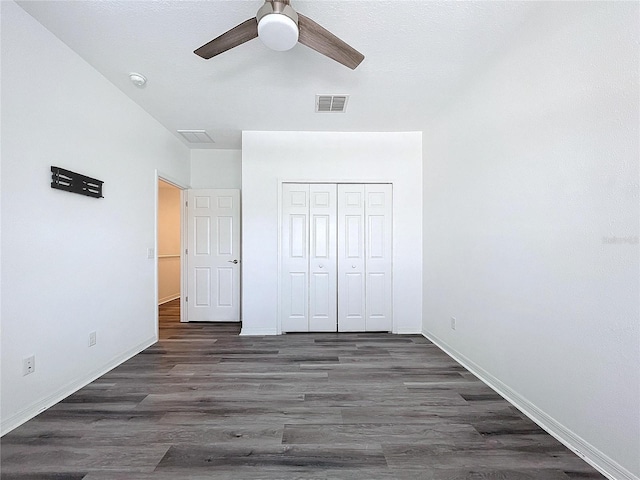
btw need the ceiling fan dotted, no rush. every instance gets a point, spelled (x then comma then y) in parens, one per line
(280, 27)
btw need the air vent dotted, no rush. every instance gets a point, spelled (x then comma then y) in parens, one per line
(331, 103)
(196, 136)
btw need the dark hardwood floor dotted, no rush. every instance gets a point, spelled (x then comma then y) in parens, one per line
(205, 403)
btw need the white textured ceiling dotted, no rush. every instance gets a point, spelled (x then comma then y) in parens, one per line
(418, 55)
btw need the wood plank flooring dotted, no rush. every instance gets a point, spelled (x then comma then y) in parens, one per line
(205, 403)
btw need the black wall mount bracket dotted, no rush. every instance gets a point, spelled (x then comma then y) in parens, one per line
(73, 182)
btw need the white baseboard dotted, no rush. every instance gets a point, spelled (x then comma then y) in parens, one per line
(257, 331)
(407, 332)
(40, 406)
(273, 331)
(590, 454)
(168, 298)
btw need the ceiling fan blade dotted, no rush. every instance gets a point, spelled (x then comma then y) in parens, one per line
(238, 35)
(323, 41)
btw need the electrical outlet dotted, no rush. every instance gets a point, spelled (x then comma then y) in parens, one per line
(453, 323)
(151, 253)
(92, 339)
(28, 365)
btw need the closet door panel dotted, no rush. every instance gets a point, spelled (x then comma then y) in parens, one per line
(294, 296)
(351, 258)
(378, 264)
(322, 258)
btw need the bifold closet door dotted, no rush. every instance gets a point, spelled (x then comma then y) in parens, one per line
(378, 209)
(295, 258)
(364, 258)
(351, 258)
(323, 287)
(308, 259)
(336, 258)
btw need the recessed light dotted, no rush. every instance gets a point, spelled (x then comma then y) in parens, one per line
(138, 79)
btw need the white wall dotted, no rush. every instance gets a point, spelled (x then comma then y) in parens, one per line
(71, 264)
(268, 159)
(216, 169)
(169, 208)
(531, 227)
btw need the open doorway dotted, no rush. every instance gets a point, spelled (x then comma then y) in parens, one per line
(169, 250)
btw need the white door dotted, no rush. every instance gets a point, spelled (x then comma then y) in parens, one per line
(378, 241)
(351, 258)
(308, 258)
(364, 258)
(336, 258)
(295, 258)
(322, 258)
(213, 255)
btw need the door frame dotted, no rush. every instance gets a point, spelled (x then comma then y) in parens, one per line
(328, 180)
(160, 175)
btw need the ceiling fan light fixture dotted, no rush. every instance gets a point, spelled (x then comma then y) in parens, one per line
(281, 28)
(278, 32)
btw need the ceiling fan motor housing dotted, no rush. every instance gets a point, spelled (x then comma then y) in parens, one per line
(278, 25)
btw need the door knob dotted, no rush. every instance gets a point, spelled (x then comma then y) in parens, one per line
(353, 266)
(321, 266)
(232, 261)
